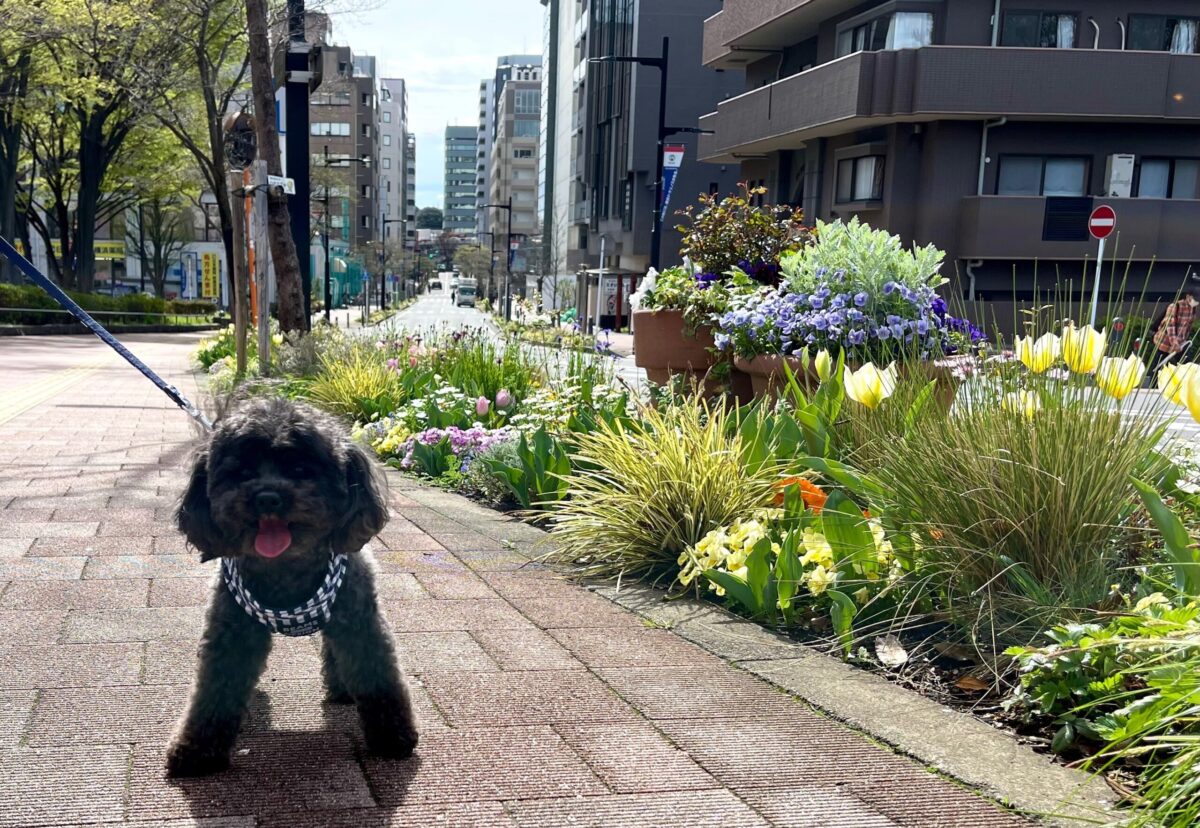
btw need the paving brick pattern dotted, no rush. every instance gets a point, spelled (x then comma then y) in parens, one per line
(542, 703)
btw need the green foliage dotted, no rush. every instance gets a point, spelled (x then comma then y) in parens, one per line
(538, 477)
(434, 460)
(479, 478)
(361, 387)
(1183, 553)
(644, 492)
(479, 367)
(734, 232)
(870, 258)
(702, 303)
(133, 308)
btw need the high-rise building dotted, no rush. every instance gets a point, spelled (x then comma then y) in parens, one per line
(602, 126)
(508, 67)
(397, 208)
(514, 168)
(989, 128)
(460, 186)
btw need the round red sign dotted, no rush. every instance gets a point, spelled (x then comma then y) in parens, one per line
(1102, 222)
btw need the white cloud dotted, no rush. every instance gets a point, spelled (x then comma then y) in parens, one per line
(442, 50)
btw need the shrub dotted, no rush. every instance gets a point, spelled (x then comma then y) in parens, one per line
(132, 307)
(362, 387)
(642, 493)
(538, 478)
(479, 478)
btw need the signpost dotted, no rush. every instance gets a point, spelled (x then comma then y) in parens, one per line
(1101, 225)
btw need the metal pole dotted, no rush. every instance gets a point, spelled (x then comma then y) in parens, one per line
(297, 162)
(656, 228)
(599, 286)
(260, 268)
(328, 274)
(1096, 285)
(237, 271)
(508, 267)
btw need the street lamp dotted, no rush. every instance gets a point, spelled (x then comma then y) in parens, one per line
(366, 160)
(491, 255)
(664, 132)
(508, 255)
(383, 257)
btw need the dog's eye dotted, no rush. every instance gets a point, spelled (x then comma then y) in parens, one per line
(301, 469)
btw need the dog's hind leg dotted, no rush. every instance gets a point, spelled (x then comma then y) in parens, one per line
(364, 654)
(233, 653)
(335, 688)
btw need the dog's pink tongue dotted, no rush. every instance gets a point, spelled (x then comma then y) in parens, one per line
(273, 537)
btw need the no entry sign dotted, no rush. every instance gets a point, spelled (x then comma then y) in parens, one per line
(1102, 222)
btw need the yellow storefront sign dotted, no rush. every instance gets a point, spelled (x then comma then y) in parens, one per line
(210, 271)
(102, 249)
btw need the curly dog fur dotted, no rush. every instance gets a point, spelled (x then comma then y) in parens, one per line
(275, 459)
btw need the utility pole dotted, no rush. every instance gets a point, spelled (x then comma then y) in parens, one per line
(297, 75)
(237, 271)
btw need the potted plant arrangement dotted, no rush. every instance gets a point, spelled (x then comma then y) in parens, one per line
(854, 290)
(732, 248)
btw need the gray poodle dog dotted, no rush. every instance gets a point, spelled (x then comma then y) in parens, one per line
(287, 502)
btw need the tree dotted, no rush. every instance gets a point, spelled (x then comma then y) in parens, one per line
(473, 261)
(447, 243)
(18, 38)
(163, 229)
(429, 218)
(279, 232)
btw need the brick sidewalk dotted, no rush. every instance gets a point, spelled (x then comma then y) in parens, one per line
(542, 704)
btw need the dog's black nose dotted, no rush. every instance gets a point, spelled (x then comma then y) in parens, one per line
(268, 502)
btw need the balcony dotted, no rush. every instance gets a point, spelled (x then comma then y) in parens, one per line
(953, 83)
(746, 30)
(1162, 228)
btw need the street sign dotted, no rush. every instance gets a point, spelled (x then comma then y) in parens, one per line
(288, 184)
(1103, 222)
(672, 161)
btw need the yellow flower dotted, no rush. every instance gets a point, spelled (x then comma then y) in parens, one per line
(1191, 395)
(1083, 348)
(1118, 377)
(868, 385)
(1021, 402)
(1173, 380)
(824, 365)
(862, 595)
(820, 579)
(817, 549)
(1038, 356)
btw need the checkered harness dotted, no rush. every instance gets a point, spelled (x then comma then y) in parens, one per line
(305, 619)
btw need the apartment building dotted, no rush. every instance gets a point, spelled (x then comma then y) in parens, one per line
(398, 207)
(508, 67)
(460, 187)
(989, 128)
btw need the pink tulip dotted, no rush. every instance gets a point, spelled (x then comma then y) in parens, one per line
(412, 361)
(503, 398)
(393, 364)
(481, 406)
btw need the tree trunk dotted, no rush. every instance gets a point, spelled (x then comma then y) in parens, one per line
(12, 92)
(279, 230)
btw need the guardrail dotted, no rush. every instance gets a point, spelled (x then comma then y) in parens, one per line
(127, 316)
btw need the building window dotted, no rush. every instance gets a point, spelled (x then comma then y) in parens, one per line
(860, 179)
(333, 128)
(387, 117)
(366, 222)
(526, 129)
(1045, 30)
(899, 30)
(366, 99)
(1169, 178)
(522, 153)
(1160, 33)
(527, 101)
(387, 140)
(337, 221)
(366, 130)
(341, 98)
(1035, 175)
(366, 191)
(386, 162)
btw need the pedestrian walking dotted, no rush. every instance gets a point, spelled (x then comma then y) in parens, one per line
(1174, 332)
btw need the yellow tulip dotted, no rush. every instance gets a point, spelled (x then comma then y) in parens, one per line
(1038, 356)
(1191, 395)
(1118, 377)
(1083, 348)
(1173, 380)
(868, 385)
(1021, 402)
(824, 365)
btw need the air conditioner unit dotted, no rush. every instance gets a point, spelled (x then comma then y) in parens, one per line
(1118, 175)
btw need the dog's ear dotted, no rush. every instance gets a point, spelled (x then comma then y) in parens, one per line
(194, 515)
(367, 512)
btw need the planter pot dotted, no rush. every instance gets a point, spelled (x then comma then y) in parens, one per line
(662, 347)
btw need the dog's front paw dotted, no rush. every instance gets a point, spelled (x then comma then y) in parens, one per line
(389, 728)
(192, 759)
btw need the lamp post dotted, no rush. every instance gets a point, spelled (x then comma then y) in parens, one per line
(508, 255)
(383, 257)
(491, 254)
(664, 132)
(341, 162)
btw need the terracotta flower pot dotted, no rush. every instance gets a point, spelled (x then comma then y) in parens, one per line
(767, 376)
(663, 348)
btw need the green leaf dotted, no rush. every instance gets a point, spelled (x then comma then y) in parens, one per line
(918, 407)
(734, 587)
(1064, 737)
(848, 533)
(842, 611)
(788, 571)
(760, 577)
(1185, 557)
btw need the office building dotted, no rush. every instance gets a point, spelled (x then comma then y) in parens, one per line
(508, 67)
(990, 129)
(460, 187)
(514, 168)
(398, 210)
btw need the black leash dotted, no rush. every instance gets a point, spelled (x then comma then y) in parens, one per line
(42, 281)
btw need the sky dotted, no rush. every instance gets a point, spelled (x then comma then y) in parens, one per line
(442, 49)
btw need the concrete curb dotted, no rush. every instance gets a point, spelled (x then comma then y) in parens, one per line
(954, 743)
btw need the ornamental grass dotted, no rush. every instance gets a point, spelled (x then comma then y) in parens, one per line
(644, 492)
